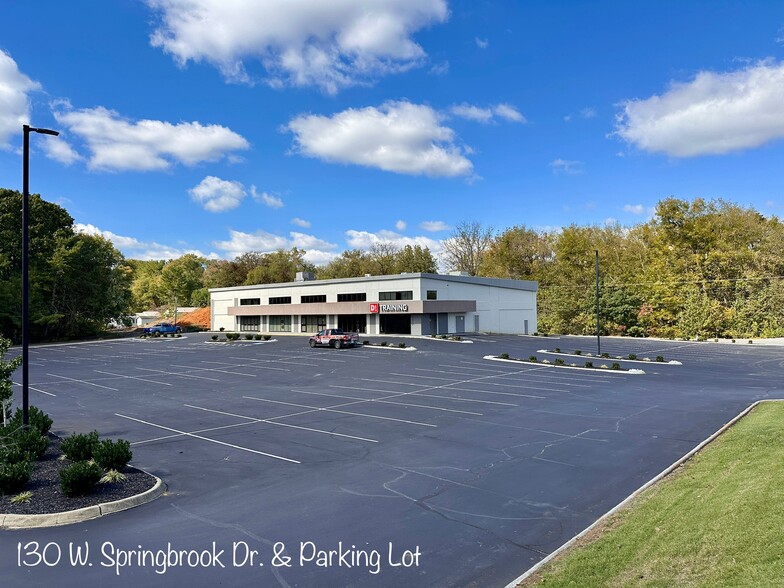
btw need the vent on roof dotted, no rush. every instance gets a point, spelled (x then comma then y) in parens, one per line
(304, 277)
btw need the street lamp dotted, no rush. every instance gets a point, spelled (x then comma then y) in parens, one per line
(27, 129)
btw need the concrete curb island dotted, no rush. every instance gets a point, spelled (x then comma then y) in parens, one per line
(33, 521)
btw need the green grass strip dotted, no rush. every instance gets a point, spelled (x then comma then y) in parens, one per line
(717, 521)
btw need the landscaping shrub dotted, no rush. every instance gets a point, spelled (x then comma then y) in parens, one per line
(532, 358)
(222, 329)
(267, 337)
(113, 455)
(383, 344)
(80, 478)
(214, 337)
(80, 447)
(37, 418)
(248, 337)
(14, 476)
(632, 356)
(605, 355)
(589, 364)
(536, 333)
(401, 345)
(365, 342)
(578, 352)
(30, 441)
(257, 337)
(659, 358)
(616, 366)
(559, 361)
(557, 350)
(14, 454)
(504, 356)
(635, 331)
(750, 341)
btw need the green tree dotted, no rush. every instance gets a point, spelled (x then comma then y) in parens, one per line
(7, 368)
(182, 277)
(416, 259)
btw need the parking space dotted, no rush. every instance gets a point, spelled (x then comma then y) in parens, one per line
(486, 466)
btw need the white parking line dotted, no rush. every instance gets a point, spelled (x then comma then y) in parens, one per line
(133, 378)
(190, 367)
(317, 409)
(458, 381)
(82, 382)
(264, 367)
(420, 394)
(36, 389)
(406, 404)
(178, 374)
(208, 439)
(271, 422)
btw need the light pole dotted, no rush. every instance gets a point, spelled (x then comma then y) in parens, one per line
(27, 129)
(598, 324)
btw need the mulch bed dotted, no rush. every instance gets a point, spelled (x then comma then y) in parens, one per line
(48, 498)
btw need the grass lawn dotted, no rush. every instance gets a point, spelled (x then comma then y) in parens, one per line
(717, 521)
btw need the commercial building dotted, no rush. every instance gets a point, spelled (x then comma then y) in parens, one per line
(418, 304)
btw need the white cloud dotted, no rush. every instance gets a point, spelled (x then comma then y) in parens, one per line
(266, 199)
(401, 225)
(440, 69)
(433, 226)
(634, 208)
(217, 195)
(300, 222)
(317, 250)
(134, 249)
(481, 43)
(487, 115)
(588, 112)
(60, 150)
(399, 137)
(331, 45)
(14, 102)
(715, 113)
(365, 240)
(119, 144)
(564, 166)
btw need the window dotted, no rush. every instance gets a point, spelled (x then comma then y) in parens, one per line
(250, 323)
(280, 324)
(313, 298)
(355, 297)
(313, 323)
(250, 301)
(432, 294)
(280, 300)
(405, 295)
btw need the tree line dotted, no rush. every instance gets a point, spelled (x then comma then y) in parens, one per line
(696, 268)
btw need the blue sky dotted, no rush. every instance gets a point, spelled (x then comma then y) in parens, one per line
(220, 127)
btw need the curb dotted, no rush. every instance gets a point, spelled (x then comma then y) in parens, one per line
(17, 521)
(514, 583)
(633, 372)
(406, 348)
(591, 357)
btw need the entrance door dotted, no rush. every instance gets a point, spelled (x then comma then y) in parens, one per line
(460, 323)
(443, 323)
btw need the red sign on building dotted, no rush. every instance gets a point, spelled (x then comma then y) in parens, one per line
(374, 308)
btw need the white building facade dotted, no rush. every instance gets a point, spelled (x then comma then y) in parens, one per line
(417, 304)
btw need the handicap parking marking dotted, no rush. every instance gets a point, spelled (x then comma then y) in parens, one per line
(334, 409)
(196, 436)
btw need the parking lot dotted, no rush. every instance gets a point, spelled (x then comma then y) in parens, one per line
(482, 467)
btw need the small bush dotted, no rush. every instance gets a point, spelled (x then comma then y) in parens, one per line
(222, 329)
(80, 478)
(113, 455)
(504, 356)
(383, 344)
(267, 337)
(536, 333)
(13, 477)
(112, 476)
(659, 358)
(79, 447)
(578, 352)
(248, 337)
(442, 336)
(559, 361)
(37, 419)
(178, 335)
(558, 350)
(401, 345)
(12, 453)
(545, 335)
(214, 337)
(366, 342)
(750, 341)
(636, 331)
(632, 356)
(257, 337)
(733, 340)
(532, 358)
(589, 364)
(30, 441)
(616, 366)
(22, 498)
(605, 355)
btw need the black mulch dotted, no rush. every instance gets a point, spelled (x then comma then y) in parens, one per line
(45, 485)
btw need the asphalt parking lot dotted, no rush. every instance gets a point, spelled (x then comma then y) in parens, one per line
(471, 470)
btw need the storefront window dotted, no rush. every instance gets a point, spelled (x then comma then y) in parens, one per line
(250, 323)
(280, 324)
(313, 323)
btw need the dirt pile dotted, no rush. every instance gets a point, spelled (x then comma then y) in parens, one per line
(198, 318)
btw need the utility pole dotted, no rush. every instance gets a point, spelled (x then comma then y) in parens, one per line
(598, 324)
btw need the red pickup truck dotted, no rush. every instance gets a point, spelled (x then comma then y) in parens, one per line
(334, 338)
